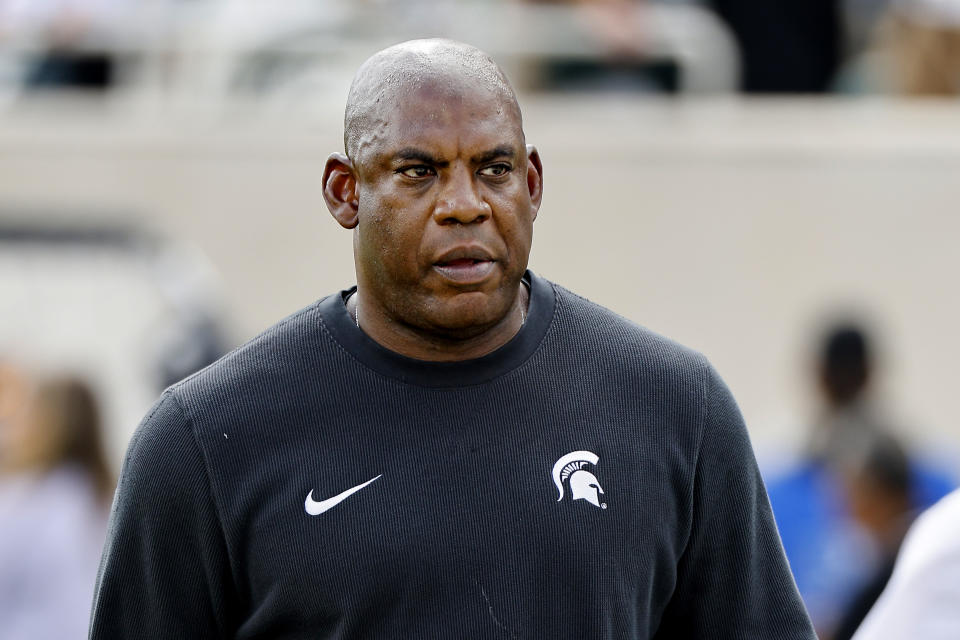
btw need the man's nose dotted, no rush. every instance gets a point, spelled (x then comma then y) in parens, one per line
(459, 200)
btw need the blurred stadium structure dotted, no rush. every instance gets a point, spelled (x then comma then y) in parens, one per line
(733, 223)
(212, 49)
(133, 312)
(146, 226)
(730, 225)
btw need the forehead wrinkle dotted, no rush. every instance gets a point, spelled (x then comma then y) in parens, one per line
(395, 74)
(499, 151)
(424, 122)
(415, 153)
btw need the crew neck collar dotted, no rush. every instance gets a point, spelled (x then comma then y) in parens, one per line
(343, 329)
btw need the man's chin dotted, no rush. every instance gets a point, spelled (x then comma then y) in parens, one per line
(470, 314)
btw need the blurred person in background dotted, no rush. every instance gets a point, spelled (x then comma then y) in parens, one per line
(922, 598)
(613, 22)
(920, 44)
(617, 28)
(879, 493)
(786, 46)
(55, 492)
(840, 507)
(903, 47)
(73, 41)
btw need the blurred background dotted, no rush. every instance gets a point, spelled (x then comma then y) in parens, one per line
(772, 183)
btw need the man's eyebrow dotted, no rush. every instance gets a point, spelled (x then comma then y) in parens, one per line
(412, 153)
(502, 151)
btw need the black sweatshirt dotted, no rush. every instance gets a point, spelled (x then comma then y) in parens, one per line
(589, 479)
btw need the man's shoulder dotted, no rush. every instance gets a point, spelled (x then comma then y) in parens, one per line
(286, 348)
(620, 340)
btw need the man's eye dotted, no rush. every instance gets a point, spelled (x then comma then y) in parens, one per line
(495, 170)
(419, 171)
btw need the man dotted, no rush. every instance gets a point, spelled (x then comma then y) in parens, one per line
(455, 448)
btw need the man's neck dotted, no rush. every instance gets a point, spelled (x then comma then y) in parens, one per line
(422, 345)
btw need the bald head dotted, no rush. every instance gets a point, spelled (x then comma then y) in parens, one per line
(398, 72)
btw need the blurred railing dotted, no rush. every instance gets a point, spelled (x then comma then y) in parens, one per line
(210, 50)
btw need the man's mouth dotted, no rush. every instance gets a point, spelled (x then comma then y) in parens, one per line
(461, 262)
(465, 270)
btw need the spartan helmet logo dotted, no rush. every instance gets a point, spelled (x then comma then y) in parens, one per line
(583, 484)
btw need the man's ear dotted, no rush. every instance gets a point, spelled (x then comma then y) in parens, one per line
(340, 190)
(534, 179)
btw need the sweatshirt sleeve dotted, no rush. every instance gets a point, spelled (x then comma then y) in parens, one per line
(165, 571)
(733, 581)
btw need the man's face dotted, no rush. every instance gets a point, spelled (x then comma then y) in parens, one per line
(447, 196)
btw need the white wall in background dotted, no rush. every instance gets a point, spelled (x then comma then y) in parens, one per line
(728, 225)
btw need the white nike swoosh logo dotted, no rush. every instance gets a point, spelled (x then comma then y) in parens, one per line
(315, 508)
